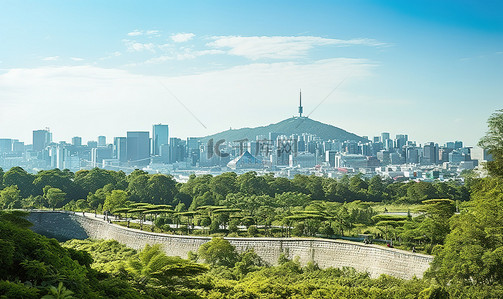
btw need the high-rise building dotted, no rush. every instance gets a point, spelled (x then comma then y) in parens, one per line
(193, 152)
(401, 140)
(176, 150)
(77, 141)
(273, 137)
(17, 146)
(330, 157)
(412, 155)
(120, 149)
(92, 144)
(384, 137)
(102, 141)
(160, 136)
(5, 145)
(100, 153)
(41, 139)
(138, 148)
(430, 154)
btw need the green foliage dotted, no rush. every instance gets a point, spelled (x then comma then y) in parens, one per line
(115, 200)
(14, 290)
(248, 262)
(473, 250)
(54, 196)
(58, 293)
(27, 256)
(493, 142)
(417, 192)
(16, 176)
(152, 266)
(252, 230)
(92, 180)
(218, 252)
(8, 196)
(56, 178)
(107, 255)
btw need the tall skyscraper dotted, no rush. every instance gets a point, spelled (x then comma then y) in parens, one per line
(430, 153)
(160, 137)
(401, 140)
(5, 145)
(77, 141)
(176, 150)
(384, 137)
(102, 141)
(120, 149)
(138, 148)
(41, 138)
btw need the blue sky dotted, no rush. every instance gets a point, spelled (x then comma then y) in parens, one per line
(430, 69)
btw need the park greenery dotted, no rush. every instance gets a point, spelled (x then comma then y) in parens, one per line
(249, 204)
(460, 223)
(33, 266)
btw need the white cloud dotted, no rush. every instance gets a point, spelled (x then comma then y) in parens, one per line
(182, 37)
(111, 55)
(133, 46)
(50, 58)
(76, 58)
(185, 54)
(152, 32)
(135, 32)
(114, 101)
(280, 47)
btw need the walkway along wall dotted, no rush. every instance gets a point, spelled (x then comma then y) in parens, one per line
(326, 253)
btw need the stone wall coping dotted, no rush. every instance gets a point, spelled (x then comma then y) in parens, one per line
(257, 239)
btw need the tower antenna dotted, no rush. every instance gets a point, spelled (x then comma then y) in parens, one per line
(301, 109)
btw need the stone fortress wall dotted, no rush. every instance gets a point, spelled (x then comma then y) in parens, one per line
(326, 253)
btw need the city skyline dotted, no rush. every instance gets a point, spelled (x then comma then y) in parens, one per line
(428, 69)
(110, 139)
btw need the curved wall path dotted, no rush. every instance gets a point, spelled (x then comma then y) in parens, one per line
(326, 253)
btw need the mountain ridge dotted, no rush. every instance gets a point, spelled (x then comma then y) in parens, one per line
(289, 126)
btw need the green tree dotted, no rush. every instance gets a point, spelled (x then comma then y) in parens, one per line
(54, 196)
(417, 192)
(224, 184)
(493, 142)
(58, 293)
(8, 196)
(436, 223)
(473, 250)
(1, 178)
(248, 262)
(137, 186)
(292, 199)
(22, 179)
(152, 266)
(96, 178)
(161, 189)
(57, 179)
(116, 199)
(219, 252)
(252, 184)
(280, 185)
(376, 188)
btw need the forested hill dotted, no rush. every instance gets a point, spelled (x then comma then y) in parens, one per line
(294, 125)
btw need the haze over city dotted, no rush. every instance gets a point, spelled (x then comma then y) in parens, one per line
(429, 69)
